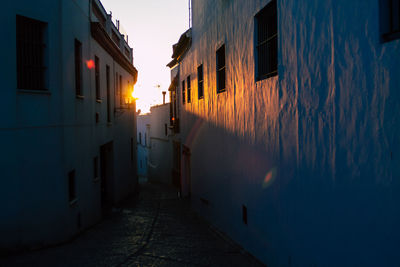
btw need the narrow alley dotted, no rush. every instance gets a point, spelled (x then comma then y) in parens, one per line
(155, 228)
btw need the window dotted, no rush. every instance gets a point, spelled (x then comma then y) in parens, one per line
(30, 53)
(221, 69)
(97, 77)
(140, 138)
(200, 89)
(95, 168)
(78, 68)
(390, 20)
(188, 90)
(166, 129)
(266, 42)
(108, 93)
(183, 92)
(71, 186)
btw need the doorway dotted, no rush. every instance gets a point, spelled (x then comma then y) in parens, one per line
(107, 175)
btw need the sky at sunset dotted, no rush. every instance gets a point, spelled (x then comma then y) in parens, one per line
(153, 26)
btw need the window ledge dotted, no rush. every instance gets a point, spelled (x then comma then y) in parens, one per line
(99, 100)
(34, 92)
(390, 36)
(73, 202)
(221, 91)
(80, 97)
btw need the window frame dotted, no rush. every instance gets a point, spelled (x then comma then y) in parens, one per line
(25, 51)
(189, 89)
(267, 66)
(389, 16)
(97, 77)
(78, 68)
(221, 69)
(200, 82)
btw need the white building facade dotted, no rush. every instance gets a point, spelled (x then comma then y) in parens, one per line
(289, 123)
(143, 145)
(68, 128)
(160, 161)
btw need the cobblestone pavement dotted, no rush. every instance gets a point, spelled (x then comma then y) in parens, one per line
(154, 229)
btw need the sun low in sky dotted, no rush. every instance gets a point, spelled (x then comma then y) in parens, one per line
(153, 26)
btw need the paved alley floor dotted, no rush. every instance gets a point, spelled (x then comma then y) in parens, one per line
(154, 229)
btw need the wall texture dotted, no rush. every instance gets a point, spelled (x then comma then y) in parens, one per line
(312, 153)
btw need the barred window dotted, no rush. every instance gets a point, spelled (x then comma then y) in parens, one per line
(97, 77)
(31, 69)
(78, 68)
(183, 92)
(390, 19)
(266, 42)
(189, 90)
(200, 89)
(221, 69)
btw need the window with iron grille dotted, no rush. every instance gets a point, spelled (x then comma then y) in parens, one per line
(390, 19)
(31, 45)
(189, 90)
(78, 68)
(183, 92)
(200, 89)
(97, 76)
(266, 42)
(221, 69)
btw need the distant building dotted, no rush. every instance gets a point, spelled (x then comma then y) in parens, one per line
(68, 128)
(160, 163)
(289, 127)
(143, 145)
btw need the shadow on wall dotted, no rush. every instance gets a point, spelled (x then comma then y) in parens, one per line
(282, 210)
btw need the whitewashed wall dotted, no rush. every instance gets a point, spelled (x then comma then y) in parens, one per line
(44, 135)
(160, 153)
(313, 153)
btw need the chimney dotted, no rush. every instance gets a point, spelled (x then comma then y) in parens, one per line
(163, 96)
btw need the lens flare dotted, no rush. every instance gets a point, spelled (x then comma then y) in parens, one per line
(90, 64)
(269, 178)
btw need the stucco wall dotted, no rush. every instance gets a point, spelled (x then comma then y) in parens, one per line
(160, 152)
(44, 135)
(313, 152)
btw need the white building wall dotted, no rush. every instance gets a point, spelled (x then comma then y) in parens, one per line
(160, 164)
(143, 144)
(311, 153)
(44, 135)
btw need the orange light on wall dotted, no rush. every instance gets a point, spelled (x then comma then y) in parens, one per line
(90, 64)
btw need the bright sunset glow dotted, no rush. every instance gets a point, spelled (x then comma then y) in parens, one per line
(152, 26)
